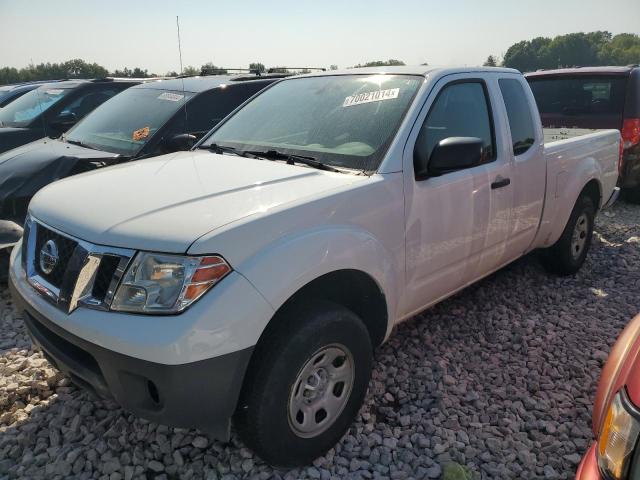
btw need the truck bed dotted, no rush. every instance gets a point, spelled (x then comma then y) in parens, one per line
(574, 155)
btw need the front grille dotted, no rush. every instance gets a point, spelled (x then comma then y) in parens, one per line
(104, 276)
(82, 274)
(65, 246)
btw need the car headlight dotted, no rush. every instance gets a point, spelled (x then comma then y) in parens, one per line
(161, 283)
(618, 437)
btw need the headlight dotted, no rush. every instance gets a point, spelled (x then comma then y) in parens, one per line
(618, 438)
(160, 283)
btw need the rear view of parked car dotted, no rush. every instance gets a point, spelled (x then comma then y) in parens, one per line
(53, 108)
(615, 455)
(147, 120)
(595, 98)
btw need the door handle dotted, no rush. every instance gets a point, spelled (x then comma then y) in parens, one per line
(500, 182)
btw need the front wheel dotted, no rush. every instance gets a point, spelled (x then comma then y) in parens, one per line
(306, 383)
(566, 256)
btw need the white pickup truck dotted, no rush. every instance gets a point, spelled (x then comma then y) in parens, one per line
(253, 276)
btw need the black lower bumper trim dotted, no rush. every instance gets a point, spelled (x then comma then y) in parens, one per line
(199, 395)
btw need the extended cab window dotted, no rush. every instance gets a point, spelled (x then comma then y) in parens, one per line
(519, 115)
(460, 110)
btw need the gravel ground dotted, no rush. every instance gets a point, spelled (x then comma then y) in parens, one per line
(499, 379)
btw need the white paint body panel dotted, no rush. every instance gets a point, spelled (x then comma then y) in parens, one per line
(281, 226)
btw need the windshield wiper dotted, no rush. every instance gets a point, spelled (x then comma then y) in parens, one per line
(78, 143)
(293, 159)
(215, 148)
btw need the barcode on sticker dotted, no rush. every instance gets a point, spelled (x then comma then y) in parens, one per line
(368, 97)
(174, 97)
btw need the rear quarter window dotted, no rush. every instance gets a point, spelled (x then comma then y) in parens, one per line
(519, 115)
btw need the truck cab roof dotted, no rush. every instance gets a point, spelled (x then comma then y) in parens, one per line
(422, 70)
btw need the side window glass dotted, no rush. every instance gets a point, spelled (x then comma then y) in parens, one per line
(519, 115)
(206, 110)
(88, 101)
(460, 110)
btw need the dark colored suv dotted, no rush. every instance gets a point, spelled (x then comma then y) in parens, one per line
(144, 121)
(595, 97)
(52, 108)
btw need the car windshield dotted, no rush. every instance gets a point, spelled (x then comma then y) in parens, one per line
(344, 120)
(125, 123)
(22, 111)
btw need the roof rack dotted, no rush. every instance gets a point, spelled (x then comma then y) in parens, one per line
(294, 69)
(257, 72)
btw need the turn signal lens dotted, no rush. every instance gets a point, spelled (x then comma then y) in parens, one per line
(618, 438)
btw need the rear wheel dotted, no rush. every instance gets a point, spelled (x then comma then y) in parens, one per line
(567, 255)
(306, 383)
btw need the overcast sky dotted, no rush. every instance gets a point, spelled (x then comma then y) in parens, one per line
(295, 33)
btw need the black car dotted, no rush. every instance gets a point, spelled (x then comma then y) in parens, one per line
(595, 98)
(9, 93)
(144, 121)
(52, 108)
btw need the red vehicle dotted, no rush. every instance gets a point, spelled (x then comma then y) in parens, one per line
(595, 98)
(615, 455)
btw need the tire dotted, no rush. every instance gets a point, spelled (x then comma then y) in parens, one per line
(275, 385)
(631, 195)
(566, 256)
(4, 265)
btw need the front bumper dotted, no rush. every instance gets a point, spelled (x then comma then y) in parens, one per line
(199, 395)
(184, 370)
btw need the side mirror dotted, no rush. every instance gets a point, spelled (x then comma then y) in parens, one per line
(64, 121)
(181, 141)
(453, 153)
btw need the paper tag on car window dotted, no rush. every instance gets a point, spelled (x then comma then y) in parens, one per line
(173, 97)
(368, 97)
(56, 91)
(140, 134)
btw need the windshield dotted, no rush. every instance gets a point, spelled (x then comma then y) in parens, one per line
(343, 121)
(125, 123)
(580, 101)
(23, 110)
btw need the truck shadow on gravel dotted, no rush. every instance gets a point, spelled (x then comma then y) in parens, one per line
(499, 378)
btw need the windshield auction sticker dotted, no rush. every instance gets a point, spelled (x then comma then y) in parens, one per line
(173, 97)
(140, 134)
(368, 97)
(54, 91)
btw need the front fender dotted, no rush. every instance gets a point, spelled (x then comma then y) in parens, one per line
(285, 266)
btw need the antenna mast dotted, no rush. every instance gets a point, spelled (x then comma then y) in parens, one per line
(184, 96)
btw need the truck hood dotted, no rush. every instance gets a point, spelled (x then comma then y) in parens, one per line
(167, 202)
(27, 169)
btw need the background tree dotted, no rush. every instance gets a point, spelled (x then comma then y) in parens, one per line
(210, 69)
(381, 63)
(574, 49)
(491, 61)
(190, 70)
(256, 66)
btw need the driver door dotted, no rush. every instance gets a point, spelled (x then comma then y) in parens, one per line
(457, 221)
